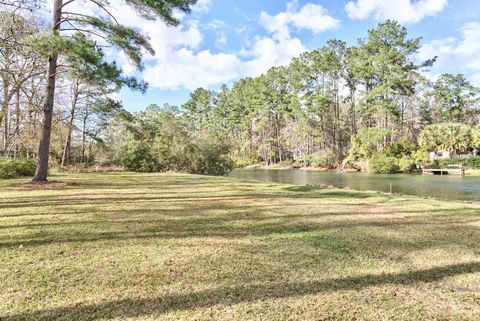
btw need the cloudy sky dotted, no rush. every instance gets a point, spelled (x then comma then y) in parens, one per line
(224, 40)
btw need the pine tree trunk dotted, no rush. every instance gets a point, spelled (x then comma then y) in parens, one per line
(41, 172)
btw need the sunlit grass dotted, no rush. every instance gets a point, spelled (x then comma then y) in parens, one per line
(174, 246)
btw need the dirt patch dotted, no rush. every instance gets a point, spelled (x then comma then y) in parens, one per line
(44, 185)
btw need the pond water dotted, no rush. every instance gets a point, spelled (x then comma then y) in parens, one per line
(446, 187)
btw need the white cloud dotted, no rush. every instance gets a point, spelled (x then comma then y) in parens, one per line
(457, 54)
(127, 66)
(314, 17)
(189, 69)
(404, 11)
(215, 24)
(469, 46)
(442, 48)
(464, 51)
(221, 40)
(311, 17)
(240, 30)
(267, 52)
(181, 61)
(202, 6)
(475, 78)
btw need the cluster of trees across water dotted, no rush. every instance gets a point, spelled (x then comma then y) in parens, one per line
(365, 105)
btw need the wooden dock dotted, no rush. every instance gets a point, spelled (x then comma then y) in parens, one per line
(444, 171)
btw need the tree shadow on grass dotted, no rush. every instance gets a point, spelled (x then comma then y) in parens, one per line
(156, 306)
(347, 232)
(322, 192)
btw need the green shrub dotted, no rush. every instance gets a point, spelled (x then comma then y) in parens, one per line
(241, 162)
(420, 157)
(382, 164)
(400, 148)
(209, 158)
(25, 167)
(406, 164)
(476, 136)
(326, 160)
(196, 156)
(137, 157)
(366, 143)
(472, 162)
(7, 170)
(12, 168)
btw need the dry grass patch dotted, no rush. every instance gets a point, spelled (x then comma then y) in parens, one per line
(43, 185)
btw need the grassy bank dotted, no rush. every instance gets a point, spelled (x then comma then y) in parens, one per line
(472, 172)
(173, 246)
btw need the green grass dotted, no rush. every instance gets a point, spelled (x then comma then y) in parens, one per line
(183, 247)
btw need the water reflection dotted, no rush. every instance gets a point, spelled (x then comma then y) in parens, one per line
(446, 187)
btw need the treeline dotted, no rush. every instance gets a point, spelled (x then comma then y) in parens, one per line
(335, 106)
(330, 100)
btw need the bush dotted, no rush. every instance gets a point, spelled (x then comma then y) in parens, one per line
(420, 157)
(476, 136)
(7, 170)
(210, 158)
(472, 162)
(383, 164)
(25, 167)
(198, 156)
(326, 160)
(400, 148)
(137, 157)
(406, 164)
(241, 162)
(12, 168)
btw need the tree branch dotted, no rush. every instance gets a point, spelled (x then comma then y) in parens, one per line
(104, 9)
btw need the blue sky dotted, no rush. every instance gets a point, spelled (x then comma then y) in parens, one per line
(224, 40)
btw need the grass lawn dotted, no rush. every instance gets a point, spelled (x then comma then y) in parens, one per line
(184, 247)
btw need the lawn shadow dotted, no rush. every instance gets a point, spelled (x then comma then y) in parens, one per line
(156, 306)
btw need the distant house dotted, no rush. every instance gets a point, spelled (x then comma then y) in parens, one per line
(446, 155)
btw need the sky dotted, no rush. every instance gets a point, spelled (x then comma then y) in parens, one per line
(222, 41)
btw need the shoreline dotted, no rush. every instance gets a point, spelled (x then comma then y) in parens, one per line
(468, 172)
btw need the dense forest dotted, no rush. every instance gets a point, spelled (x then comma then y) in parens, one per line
(367, 106)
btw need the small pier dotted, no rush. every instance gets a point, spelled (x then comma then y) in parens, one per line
(452, 169)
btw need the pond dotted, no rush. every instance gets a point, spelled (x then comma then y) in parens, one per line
(445, 187)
